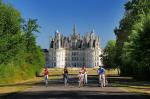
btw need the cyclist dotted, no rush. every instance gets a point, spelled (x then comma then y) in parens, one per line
(65, 76)
(101, 73)
(46, 76)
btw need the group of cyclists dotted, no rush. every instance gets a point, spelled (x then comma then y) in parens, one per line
(82, 76)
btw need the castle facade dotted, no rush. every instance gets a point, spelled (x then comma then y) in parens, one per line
(74, 50)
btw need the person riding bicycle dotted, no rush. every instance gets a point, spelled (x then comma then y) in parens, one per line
(65, 76)
(46, 76)
(84, 71)
(101, 73)
(81, 78)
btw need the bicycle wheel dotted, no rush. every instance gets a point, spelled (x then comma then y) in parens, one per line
(101, 80)
(102, 84)
(65, 81)
(46, 81)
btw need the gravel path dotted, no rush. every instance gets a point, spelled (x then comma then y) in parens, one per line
(56, 90)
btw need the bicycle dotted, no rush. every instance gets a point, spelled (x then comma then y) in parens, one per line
(85, 79)
(46, 80)
(102, 80)
(65, 79)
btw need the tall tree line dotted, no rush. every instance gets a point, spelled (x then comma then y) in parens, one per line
(20, 57)
(132, 51)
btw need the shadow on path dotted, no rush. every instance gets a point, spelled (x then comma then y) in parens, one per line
(78, 95)
(56, 90)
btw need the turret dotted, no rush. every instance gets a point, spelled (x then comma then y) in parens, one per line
(74, 30)
(92, 34)
(58, 38)
(91, 43)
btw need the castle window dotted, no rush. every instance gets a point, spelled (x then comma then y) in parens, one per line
(77, 58)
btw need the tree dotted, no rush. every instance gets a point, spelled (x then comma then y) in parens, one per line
(20, 57)
(136, 11)
(141, 51)
(29, 28)
(108, 56)
(10, 35)
(34, 54)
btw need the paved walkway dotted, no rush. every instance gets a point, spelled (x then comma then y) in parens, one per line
(56, 90)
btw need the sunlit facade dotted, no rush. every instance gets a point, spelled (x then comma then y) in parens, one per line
(74, 50)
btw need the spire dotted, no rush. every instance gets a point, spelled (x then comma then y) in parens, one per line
(92, 34)
(74, 29)
(57, 31)
(50, 39)
(93, 31)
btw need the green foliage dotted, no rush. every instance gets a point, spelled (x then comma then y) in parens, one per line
(109, 55)
(20, 57)
(29, 28)
(141, 51)
(133, 39)
(135, 12)
(10, 36)
(34, 54)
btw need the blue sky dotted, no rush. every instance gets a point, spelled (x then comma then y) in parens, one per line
(102, 15)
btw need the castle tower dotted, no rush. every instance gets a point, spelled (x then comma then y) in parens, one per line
(58, 39)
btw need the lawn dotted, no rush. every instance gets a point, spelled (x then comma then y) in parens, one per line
(138, 89)
(90, 71)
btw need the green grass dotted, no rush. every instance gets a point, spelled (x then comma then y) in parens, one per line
(137, 89)
(10, 88)
(90, 71)
(12, 73)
